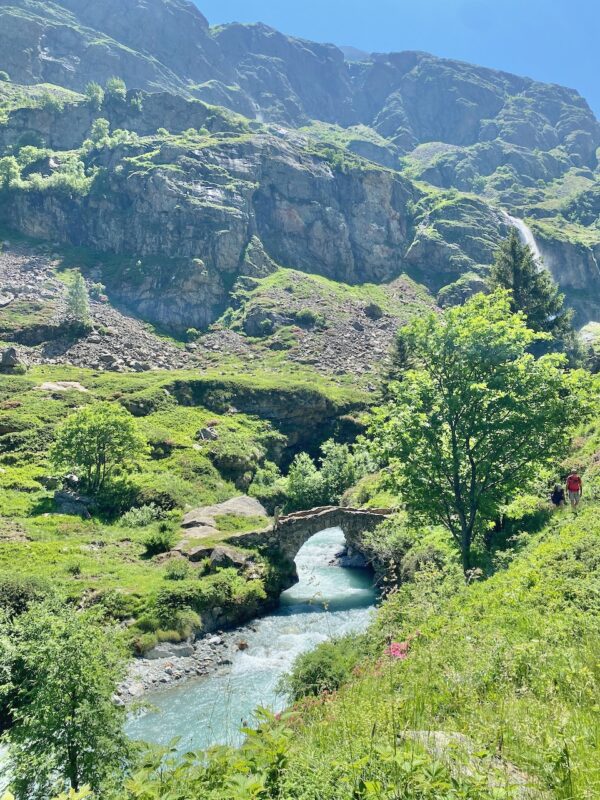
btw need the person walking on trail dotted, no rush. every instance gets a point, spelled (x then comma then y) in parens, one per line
(574, 488)
(558, 496)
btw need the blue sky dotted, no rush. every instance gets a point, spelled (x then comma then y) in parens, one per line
(551, 40)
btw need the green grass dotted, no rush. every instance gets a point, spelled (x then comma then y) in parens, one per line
(89, 560)
(497, 688)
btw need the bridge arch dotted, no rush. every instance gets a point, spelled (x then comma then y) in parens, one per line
(283, 540)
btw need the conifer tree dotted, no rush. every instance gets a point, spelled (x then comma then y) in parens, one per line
(534, 293)
(78, 305)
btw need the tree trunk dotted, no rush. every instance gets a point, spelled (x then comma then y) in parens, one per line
(465, 548)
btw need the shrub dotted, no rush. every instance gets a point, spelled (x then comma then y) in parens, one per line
(97, 290)
(100, 132)
(308, 318)
(116, 89)
(178, 570)
(304, 487)
(51, 102)
(18, 593)
(192, 334)
(4, 76)
(340, 469)
(268, 487)
(159, 541)
(95, 95)
(323, 669)
(137, 101)
(10, 172)
(144, 642)
(142, 516)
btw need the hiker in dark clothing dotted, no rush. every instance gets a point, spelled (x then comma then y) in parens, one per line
(558, 496)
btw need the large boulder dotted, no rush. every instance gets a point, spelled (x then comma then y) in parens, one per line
(11, 362)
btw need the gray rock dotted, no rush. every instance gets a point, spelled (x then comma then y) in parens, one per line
(10, 359)
(170, 650)
(207, 434)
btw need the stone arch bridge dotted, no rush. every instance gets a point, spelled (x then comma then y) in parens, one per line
(283, 540)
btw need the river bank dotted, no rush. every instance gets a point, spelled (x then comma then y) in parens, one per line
(180, 662)
(240, 670)
(171, 663)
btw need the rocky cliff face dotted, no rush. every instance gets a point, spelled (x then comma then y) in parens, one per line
(188, 217)
(382, 177)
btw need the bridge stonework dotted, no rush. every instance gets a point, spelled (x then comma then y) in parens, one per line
(283, 540)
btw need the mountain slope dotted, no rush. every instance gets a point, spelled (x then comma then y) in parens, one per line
(358, 171)
(408, 97)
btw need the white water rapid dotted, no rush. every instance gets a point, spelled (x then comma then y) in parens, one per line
(328, 601)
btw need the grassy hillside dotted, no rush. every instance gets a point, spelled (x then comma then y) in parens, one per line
(109, 559)
(487, 690)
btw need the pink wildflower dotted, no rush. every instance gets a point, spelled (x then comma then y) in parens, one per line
(398, 650)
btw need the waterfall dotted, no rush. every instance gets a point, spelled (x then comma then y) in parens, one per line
(526, 236)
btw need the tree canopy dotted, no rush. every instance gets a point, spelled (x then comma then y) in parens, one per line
(475, 416)
(67, 730)
(78, 306)
(95, 442)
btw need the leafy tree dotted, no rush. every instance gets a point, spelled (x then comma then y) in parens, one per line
(96, 442)
(338, 470)
(533, 292)
(475, 416)
(10, 172)
(51, 102)
(304, 488)
(100, 133)
(78, 306)
(116, 88)
(67, 731)
(95, 95)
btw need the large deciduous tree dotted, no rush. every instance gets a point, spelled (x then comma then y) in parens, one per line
(67, 731)
(95, 442)
(474, 416)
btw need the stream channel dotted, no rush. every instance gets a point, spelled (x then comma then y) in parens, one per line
(328, 601)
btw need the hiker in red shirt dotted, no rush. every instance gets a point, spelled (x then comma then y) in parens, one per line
(574, 488)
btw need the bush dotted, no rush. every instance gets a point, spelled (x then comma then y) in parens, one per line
(10, 172)
(323, 669)
(192, 334)
(51, 102)
(18, 593)
(178, 570)
(116, 88)
(95, 95)
(4, 76)
(159, 541)
(97, 290)
(308, 487)
(308, 318)
(100, 133)
(142, 516)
